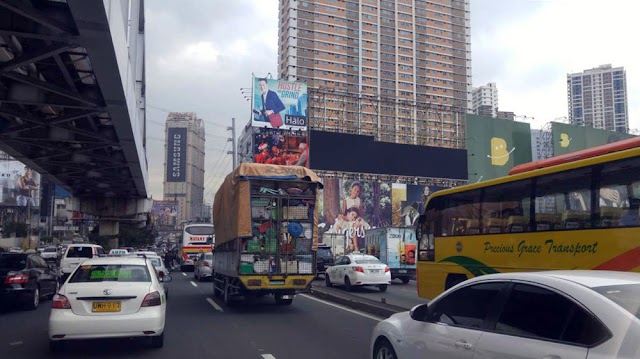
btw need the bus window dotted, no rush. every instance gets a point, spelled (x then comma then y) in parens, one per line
(460, 215)
(617, 201)
(563, 201)
(506, 208)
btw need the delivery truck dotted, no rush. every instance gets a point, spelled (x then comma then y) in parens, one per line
(396, 247)
(265, 232)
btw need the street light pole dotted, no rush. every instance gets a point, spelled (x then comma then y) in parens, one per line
(234, 149)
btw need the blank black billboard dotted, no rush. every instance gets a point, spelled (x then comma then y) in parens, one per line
(332, 151)
(176, 154)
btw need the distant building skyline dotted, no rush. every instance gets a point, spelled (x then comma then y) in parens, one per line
(598, 98)
(485, 100)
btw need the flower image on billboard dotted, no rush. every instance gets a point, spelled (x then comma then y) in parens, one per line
(279, 104)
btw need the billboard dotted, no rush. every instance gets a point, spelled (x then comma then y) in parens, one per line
(363, 154)
(280, 148)
(176, 154)
(408, 201)
(164, 214)
(570, 138)
(495, 146)
(279, 104)
(19, 185)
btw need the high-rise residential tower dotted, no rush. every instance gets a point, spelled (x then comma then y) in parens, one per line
(485, 100)
(184, 164)
(598, 98)
(397, 70)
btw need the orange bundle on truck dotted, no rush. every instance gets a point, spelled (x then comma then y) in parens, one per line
(266, 238)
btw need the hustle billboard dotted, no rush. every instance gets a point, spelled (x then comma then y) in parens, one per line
(279, 104)
(176, 154)
(19, 185)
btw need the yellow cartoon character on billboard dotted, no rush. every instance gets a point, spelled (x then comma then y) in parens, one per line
(499, 153)
(565, 141)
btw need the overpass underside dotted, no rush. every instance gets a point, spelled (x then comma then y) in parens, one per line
(64, 109)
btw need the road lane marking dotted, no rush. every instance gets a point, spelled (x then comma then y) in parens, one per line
(343, 308)
(184, 274)
(215, 305)
(193, 283)
(268, 356)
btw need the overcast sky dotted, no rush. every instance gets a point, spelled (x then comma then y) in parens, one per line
(200, 53)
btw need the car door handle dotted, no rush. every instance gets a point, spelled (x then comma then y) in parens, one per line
(463, 344)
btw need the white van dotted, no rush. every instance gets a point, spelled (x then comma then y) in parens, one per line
(78, 253)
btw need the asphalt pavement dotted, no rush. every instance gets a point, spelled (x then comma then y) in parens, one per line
(199, 327)
(397, 294)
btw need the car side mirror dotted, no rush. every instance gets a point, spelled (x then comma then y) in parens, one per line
(166, 279)
(420, 313)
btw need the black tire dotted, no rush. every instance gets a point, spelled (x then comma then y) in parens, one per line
(384, 350)
(182, 268)
(327, 281)
(195, 276)
(347, 284)
(35, 300)
(382, 287)
(55, 346)
(405, 280)
(281, 301)
(157, 342)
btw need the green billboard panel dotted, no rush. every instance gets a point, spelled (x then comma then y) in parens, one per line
(495, 146)
(570, 138)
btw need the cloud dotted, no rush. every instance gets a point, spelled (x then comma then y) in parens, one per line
(541, 41)
(199, 55)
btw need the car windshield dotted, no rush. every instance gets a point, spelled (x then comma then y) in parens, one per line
(111, 273)
(13, 262)
(50, 250)
(80, 252)
(199, 230)
(368, 260)
(156, 262)
(627, 296)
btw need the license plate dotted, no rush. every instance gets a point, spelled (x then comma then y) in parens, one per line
(276, 282)
(102, 307)
(402, 271)
(374, 271)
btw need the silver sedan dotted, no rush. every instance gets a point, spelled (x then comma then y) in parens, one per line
(555, 314)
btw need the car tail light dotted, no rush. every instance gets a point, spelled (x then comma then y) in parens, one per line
(386, 269)
(358, 269)
(60, 302)
(206, 264)
(17, 279)
(151, 300)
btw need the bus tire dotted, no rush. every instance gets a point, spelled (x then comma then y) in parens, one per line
(454, 279)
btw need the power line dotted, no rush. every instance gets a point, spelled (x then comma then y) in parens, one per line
(216, 184)
(216, 167)
(168, 111)
(206, 134)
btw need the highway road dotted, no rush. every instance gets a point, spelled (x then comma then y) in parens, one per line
(199, 327)
(398, 294)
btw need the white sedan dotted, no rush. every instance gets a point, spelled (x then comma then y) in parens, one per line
(109, 298)
(358, 269)
(555, 314)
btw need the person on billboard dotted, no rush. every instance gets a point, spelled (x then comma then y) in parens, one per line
(304, 154)
(26, 184)
(354, 200)
(270, 105)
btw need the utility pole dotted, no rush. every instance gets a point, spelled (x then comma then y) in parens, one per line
(234, 149)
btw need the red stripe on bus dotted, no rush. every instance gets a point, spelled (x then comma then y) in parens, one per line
(624, 262)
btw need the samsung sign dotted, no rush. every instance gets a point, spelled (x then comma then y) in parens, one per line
(176, 154)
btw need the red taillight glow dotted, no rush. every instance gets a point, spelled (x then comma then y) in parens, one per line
(60, 302)
(17, 279)
(151, 300)
(358, 269)
(386, 269)
(206, 264)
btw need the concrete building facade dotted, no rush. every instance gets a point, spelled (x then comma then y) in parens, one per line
(396, 70)
(485, 100)
(188, 188)
(598, 98)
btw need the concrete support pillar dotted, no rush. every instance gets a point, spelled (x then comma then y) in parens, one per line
(109, 227)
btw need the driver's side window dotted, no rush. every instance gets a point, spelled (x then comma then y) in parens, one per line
(468, 306)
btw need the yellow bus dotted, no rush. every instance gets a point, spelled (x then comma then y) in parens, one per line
(577, 211)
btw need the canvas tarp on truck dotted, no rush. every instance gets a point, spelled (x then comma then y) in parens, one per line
(232, 203)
